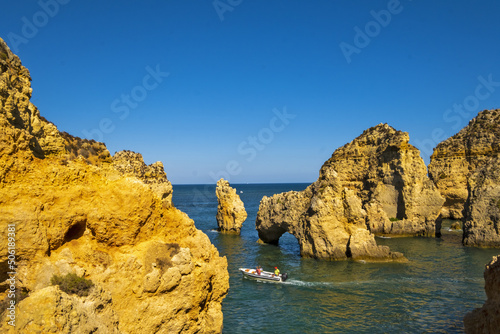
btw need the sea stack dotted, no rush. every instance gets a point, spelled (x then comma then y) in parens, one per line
(75, 209)
(455, 159)
(487, 318)
(465, 168)
(230, 212)
(377, 184)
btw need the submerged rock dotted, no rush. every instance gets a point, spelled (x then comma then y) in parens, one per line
(75, 209)
(375, 184)
(230, 212)
(487, 318)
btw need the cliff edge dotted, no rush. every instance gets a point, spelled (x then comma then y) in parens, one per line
(74, 209)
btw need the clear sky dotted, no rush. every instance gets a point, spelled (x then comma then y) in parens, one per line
(255, 90)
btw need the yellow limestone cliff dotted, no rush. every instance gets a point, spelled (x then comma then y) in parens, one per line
(109, 219)
(465, 168)
(376, 184)
(456, 159)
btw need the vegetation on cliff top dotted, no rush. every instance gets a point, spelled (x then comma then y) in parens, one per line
(73, 284)
(93, 152)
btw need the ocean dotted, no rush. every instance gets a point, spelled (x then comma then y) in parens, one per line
(430, 294)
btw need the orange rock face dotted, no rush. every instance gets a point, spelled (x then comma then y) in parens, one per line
(109, 219)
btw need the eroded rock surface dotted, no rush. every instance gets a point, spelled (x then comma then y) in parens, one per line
(375, 184)
(482, 208)
(487, 318)
(456, 159)
(230, 211)
(78, 210)
(132, 164)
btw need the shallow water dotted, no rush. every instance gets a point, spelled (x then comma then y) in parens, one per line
(430, 294)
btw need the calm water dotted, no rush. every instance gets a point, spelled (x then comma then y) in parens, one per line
(430, 294)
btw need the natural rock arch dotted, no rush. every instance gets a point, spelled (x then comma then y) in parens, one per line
(377, 184)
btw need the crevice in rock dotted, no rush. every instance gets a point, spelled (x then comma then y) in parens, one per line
(439, 223)
(401, 209)
(348, 252)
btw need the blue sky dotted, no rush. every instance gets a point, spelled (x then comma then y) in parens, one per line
(255, 91)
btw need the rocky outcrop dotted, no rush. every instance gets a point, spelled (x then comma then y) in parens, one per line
(132, 164)
(390, 177)
(52, 311)
(78, 210)
(487, 318)
(328, 222)
(482, 208)
(230, 212)
(465, 169)
(455, 160)
(375, 184)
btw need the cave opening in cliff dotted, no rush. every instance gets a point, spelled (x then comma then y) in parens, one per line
(289, 243)
(75, 231)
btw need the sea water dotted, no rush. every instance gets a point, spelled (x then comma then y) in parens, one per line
(430, 294)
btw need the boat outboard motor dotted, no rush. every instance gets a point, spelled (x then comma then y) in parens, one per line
(284, 276)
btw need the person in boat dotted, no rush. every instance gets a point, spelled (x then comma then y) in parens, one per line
(276, 271)
(259, 270)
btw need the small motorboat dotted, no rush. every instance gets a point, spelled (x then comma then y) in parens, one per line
(264, 275)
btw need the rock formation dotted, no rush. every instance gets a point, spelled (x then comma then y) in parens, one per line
(465, 169)
(455, 160)
(375, 184)
(132, 164)
(78, 210)
(230, 212)
(482, 208)
(487, 318)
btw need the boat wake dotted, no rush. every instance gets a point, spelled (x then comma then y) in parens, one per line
(334, 284)
(308, 284)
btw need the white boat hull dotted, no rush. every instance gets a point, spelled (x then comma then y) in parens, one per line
(264, 275)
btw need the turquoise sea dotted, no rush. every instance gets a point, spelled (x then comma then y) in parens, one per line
(430, 294)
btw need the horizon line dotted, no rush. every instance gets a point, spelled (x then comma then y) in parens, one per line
(239, 183)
